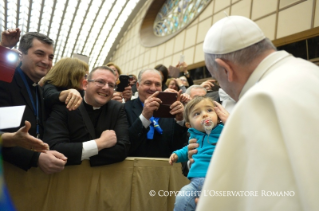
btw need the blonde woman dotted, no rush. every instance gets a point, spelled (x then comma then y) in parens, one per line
(63, 83)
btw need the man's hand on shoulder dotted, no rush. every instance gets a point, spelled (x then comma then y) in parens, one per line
(51, 162)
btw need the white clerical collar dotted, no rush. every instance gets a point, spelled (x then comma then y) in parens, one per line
(94, 108)
(262, 68)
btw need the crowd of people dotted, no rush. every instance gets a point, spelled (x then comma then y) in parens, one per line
(247, 120)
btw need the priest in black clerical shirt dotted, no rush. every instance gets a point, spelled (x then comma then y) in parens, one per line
(35, 61)
(97, 130)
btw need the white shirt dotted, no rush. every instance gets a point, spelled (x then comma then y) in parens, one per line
(227, 102)
(89, 148)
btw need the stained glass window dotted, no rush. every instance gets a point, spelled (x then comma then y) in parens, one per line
(176, 14)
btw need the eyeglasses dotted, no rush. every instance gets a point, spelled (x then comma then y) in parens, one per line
(101, 83)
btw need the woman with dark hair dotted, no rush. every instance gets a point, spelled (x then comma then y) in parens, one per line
(164, 72)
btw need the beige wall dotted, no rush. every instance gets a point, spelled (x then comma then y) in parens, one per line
(277, 18)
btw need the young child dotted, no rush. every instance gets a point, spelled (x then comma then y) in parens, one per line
(202, 122)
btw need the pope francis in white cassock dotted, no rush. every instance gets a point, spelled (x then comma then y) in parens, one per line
(267, 157)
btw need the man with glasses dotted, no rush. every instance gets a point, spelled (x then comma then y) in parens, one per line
(97, 130)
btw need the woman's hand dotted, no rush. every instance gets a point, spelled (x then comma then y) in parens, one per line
(73, 99)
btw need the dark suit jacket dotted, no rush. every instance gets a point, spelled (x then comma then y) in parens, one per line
(66, 130)
(174, 136)
(15, 94)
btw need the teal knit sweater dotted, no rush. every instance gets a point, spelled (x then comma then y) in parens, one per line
(204, 151)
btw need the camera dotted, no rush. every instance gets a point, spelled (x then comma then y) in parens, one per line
(9, 60)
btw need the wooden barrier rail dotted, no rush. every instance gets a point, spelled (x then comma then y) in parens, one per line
(124, 186)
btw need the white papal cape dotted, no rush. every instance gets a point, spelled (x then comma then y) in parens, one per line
(267, 157)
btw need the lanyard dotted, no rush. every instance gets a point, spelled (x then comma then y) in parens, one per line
(35, 107)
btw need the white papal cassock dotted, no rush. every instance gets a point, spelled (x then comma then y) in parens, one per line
(270, 144)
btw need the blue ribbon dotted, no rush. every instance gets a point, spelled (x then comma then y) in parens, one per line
(154, 126)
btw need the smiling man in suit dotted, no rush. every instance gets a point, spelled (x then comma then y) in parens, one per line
(97, 130)
(36, 61)
(146, 139)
